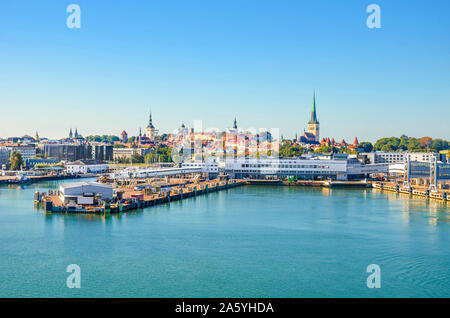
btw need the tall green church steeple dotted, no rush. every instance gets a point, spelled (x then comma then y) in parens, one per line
(314, 113)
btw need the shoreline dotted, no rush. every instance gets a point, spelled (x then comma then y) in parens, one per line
(35, 179)
(411, 191)
(52, 204)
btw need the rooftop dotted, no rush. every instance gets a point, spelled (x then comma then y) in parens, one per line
(85, 162)
(80, 184)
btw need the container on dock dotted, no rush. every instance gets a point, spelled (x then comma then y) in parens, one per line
(139, 196)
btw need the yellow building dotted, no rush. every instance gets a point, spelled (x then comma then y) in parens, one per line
(446, 153)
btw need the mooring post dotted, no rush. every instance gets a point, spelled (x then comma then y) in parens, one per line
(107, 207)
(139, 204)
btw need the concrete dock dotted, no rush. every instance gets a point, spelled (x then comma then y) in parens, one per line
(137, 196)
(136, 199)
(308, 183)
(423, 192)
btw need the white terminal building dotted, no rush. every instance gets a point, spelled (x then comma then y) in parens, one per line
(304, 168)
(87, 166)
(398, 156)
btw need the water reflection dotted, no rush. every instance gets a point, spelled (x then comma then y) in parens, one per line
(413, 207)
(104, 218)
(344, 191)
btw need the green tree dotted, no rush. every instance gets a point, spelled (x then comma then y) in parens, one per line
(137, 158)
(323, 149)
(410, 144)
(103, 138)
(439, 144)
(388, 147)
(346, 150)
(150, 158)
(46, 165)
(15, 160)
(284, 149)
(296, 151)
(164, 153)
(288, 150)
(122, 159)
(404, 140)
(367, 146)
(390, 143)
(413, 144)
(163, 137)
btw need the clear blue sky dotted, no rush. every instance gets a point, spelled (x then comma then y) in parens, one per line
(214, 60)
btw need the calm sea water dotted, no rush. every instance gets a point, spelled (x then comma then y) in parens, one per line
(251, 241)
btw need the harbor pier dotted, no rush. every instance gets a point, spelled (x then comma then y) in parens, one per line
(127, 199)
(423, 192)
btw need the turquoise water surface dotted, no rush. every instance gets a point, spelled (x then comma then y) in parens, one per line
(250, 241)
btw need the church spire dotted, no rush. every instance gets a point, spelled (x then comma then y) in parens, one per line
(235, 123)
(150, 121)
(314, 113)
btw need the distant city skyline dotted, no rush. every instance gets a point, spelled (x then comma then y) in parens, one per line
(214, 61)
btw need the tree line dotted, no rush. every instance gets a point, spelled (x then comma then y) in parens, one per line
(288, 149)
(103, 138)
(405, 143)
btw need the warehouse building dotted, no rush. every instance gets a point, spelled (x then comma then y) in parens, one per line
(85, 192)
